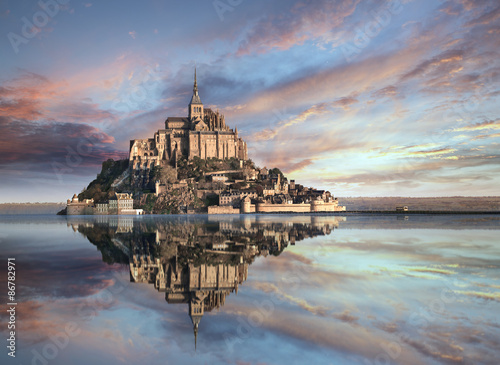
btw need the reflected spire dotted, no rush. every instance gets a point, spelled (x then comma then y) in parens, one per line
(195, 329)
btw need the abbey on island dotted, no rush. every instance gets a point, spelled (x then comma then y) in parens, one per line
(239, 186)
(203, 133)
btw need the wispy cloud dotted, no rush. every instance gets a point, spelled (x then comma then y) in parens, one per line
(487, 124)
(300, 22)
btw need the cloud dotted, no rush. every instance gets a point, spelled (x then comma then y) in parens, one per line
(84, 278)
(24, 96)
(481, 295)
(303, 21)
(24, 108)
(292, 256)
(345, 339)
(484, 136)
(436, 152)
(41, 144)
(346, 316)
(297, 166)
(34, 97)
(388, 66)
(344, 103)
(283, 295)
(79, 111)
(414, 151)
(388, 91)
(439, 350)
(486, 18)
(283, 153)
(487, 124)
(311, 112)
(132, 34)
(437, 170)
(444, 58)
(431, 270)
(36, 131)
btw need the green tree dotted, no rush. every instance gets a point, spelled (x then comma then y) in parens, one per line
(276, 171)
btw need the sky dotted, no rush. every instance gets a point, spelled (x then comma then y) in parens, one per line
(362, 98)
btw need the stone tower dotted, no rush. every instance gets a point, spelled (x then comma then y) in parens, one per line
(195, 106)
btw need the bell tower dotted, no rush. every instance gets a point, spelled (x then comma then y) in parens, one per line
(195, 106)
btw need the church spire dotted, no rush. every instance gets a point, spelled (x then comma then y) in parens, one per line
(195, 99)
(195, 87)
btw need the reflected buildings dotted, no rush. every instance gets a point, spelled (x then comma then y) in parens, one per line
(199, 261)
(340, 298)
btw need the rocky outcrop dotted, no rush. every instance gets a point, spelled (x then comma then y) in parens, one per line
(172, 201)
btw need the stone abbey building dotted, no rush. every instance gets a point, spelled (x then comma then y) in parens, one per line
(203, 133)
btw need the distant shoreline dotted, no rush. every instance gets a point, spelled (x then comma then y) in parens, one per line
(355, 205)
(390, 212)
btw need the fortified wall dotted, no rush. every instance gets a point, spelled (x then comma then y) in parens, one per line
(316, 206)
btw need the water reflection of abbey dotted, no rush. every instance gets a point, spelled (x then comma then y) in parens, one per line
(198, 262)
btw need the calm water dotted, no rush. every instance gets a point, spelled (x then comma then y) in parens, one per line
(253, 289)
